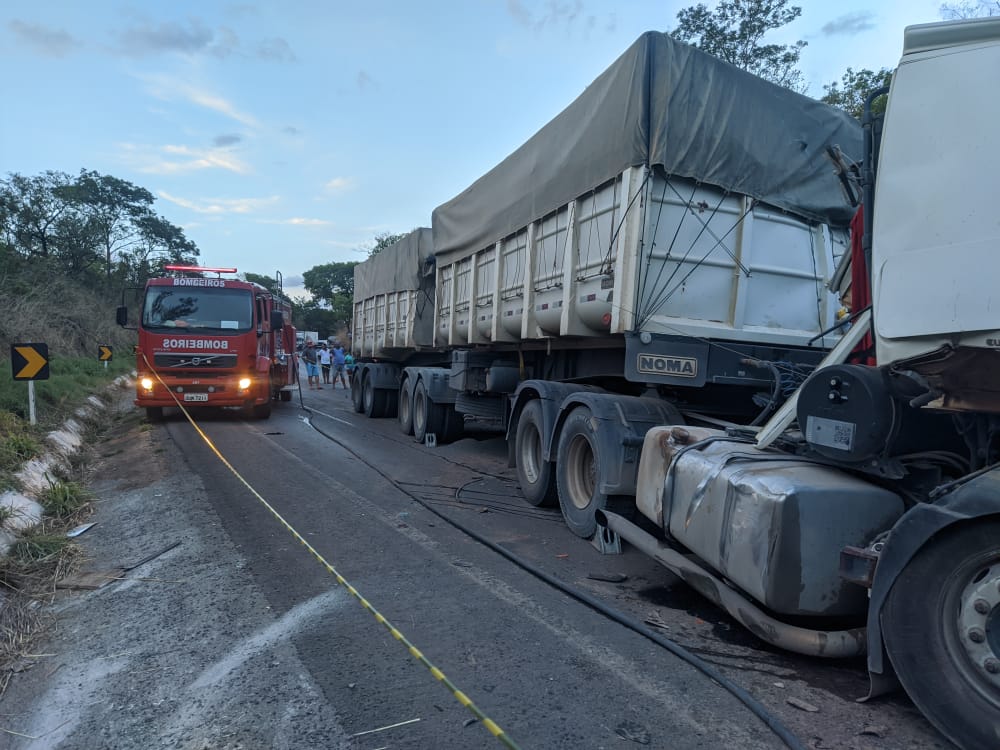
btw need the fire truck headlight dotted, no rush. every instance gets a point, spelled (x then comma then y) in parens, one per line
(244, 383)
(147, 384)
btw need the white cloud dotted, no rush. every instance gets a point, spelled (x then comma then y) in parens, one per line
(218, 206)
(174, 159)
(297, 221)
(168, 88)
(339, 184)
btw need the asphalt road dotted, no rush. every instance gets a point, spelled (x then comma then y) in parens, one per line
(274, 652)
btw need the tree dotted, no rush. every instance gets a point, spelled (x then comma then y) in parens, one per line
(734, 32)
(115, 209)
(383, 240)
(90, 227)
(854, 88)
(329, 280)
(268, 282)
(32, 209)
(970, 9)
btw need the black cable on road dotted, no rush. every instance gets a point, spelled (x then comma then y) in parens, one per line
(753, 705)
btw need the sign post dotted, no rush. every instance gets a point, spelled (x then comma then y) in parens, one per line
(104, 354)
(30, 362)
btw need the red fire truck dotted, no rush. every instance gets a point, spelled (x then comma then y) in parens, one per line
(212, 342)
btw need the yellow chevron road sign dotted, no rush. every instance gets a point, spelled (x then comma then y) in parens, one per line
(104, 353)
(30, 361)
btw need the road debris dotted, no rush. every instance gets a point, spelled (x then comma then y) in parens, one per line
(382, 729)
(801, 704)
(80, 529)
(629, 730)
(608, 577)
(875, 730)
(153, 556)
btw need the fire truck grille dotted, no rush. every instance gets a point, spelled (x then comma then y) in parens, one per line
(195, 361)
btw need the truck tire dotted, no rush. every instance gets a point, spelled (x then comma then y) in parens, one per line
(373, 399)
(285, 395)
(262, 411)
(356, 394)
(941, 624)
(535, 475)
(428, 417)
(405, 409)
(154, 413)
(577, 474)
(453, 424)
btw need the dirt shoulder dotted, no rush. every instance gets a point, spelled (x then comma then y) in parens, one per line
(181, 650)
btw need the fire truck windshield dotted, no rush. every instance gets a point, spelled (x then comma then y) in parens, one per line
(205, 308)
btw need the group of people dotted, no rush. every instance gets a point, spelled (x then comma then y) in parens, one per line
(323, 360)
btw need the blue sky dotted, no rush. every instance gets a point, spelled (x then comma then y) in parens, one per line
(285, 135)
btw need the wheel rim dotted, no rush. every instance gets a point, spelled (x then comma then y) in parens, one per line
(977, 627)
(581, 472)
(419, 411)
(531, 454)
(404, 405)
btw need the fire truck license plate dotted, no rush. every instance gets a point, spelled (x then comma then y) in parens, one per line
(196, 397)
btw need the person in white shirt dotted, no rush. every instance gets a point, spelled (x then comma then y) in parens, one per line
(324, 362)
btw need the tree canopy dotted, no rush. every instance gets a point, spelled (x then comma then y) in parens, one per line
(854, 88)
(735, 32)
(383, 240)
(100, 229)
(970, 9)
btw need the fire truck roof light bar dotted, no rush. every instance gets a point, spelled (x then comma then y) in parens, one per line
(199, 268)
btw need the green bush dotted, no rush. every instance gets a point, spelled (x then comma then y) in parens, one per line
(62, 499)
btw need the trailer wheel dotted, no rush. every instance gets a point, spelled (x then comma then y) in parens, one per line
(154, 413)
(941, 624)
(405, 409)
(428, 417)
(356, 394)
(285, 395)
(535, 475)
(374, 400)
(578, 474)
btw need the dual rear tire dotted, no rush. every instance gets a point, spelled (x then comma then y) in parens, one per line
(573, 479)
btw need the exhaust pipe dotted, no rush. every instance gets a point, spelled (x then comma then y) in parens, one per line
(832, 644)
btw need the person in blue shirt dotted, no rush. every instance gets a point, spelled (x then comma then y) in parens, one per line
(339, 361)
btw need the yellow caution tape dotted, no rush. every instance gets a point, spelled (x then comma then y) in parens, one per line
(417, 654)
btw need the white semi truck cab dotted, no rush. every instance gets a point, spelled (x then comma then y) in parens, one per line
(872, 495)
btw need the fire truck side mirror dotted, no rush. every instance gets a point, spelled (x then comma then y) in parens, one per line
(121, 316)
(277, 320)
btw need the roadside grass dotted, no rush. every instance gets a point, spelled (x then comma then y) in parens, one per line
(71, 381)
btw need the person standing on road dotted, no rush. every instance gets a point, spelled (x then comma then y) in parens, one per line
(349, 368)
(312, 365)
(324, 362)
(339, 361)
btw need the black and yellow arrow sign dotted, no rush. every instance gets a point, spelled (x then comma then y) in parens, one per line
(104, 353)
(30, 361)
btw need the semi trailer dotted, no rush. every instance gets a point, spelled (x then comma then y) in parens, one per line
(656, 247)
(644, 295)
